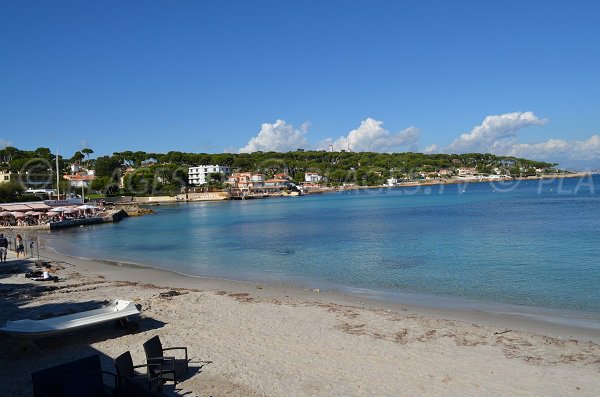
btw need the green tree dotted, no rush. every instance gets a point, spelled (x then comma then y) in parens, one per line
(10, 191)
(142, 182)
(108, 166)
(77, 157)
(87, 152)
(104, 185)
(215, 180)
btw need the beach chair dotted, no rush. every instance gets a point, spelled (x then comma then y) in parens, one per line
(83, 377)
(173, 369)
(127, 376)
(137, 389)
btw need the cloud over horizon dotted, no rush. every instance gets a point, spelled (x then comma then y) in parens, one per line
(4, 143)
(497, 134)
(278, 137)
(370, 136)
(560, 150)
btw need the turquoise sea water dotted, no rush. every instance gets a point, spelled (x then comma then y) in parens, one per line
(532, 243)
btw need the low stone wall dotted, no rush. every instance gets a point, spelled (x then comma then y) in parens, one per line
(155, 199)
(208, 196)
(121, 199)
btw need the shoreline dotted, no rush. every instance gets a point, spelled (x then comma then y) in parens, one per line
(559, 323)
(257, 340)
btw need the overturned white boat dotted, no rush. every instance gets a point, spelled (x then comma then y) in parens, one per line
(117, 310)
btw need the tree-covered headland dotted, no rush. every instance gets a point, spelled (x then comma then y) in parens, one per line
(166, 173)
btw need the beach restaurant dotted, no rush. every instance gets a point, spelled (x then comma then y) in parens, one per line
(38, 213)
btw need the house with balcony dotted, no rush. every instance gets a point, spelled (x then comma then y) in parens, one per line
(312, 177)
(276, 185)
(246, 181)
(198, 175)
(468, 173)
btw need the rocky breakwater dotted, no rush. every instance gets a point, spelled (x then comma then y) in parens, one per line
(122, 211)
(132, 209)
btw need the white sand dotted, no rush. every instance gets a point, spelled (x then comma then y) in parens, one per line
(280, 341)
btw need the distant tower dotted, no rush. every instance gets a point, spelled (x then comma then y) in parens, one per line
(349, 150)
(331, 147)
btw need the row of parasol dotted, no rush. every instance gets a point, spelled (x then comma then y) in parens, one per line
(54, 212)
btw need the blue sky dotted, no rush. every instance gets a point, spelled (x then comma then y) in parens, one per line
(510, 77)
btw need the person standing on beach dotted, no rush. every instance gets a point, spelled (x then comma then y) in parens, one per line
(20, 246)
(3, 247)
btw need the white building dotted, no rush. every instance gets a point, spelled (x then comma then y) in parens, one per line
(7, 176)
(79, 180)
(197, 175)
(312, 177)
(466, 172)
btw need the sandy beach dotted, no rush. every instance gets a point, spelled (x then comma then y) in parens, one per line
(275, 340)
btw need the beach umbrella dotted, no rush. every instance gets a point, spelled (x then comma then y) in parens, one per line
(52, 213)
(32, 213)
(18, 214)
(6, 213)
(87, 207)
(60, 209)
(70, 211)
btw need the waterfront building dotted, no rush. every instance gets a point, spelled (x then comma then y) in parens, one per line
(392, 181)
(277, 184)
(245, 180)
(312, 177)
(467, 172)
(197, 175)
(243, 183)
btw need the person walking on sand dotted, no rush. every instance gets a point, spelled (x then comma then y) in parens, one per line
(3, 247)
(20, 246)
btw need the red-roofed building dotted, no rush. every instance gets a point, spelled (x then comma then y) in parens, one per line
(79, 180)
(282, 176)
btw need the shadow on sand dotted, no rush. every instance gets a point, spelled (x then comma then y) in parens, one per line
(22, 355)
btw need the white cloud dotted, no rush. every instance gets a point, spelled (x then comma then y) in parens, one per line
(370, 136)
(431, 149)
(278, 137)
(4, 143)
(559, 149)
(496, 133)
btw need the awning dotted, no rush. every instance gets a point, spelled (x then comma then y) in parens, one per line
(87, 207)
(15, 207)
(39, 206)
